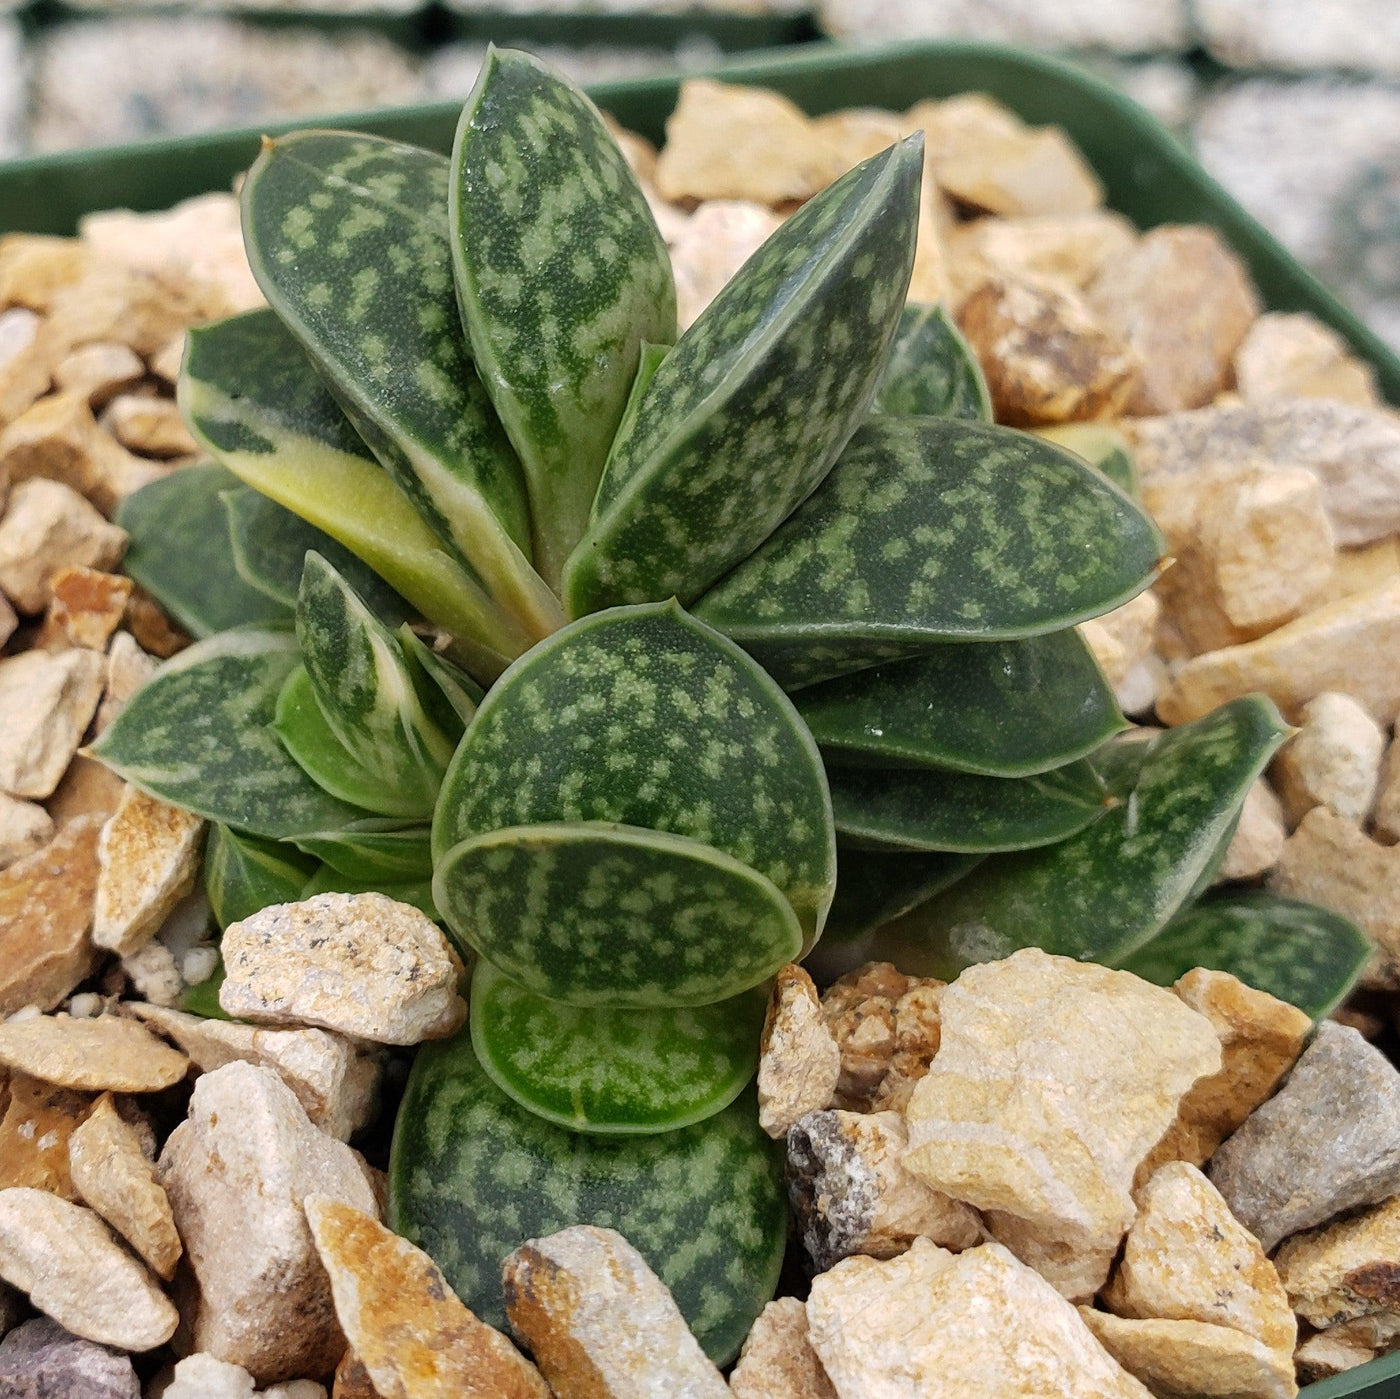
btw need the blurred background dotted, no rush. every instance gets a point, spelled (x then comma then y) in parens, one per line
(1292, 104)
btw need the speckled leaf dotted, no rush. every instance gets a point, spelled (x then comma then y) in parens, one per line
(254, 402)
(644, 717)
(602, 915)
(1003, 708)
(453, 687)
(374, 849)
(1102, 894)
(746, 415)
(932, 371)
(348, 237)
(198, 735)
(181, 554)
(243, 874)
(934, 530)
(1101, 445)
(417, 892)
(473, 1175)
(1303, 954)
(621, 1072)
(561, 274)
(962, 812)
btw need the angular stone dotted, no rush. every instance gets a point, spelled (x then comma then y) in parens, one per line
(38, 1124)
(715, 243)
(152, 629)
(113, 1176)
(799, 1059)
(361, 964)
(1347, 1269)
(85, 607)
(1261, 1038)
(352, 1380)
(1334, 761)
(91, 1056)
(332, 1080)
(1294, 355)
(1040, 1056)
(128, 668)
(24, 828)
(49, 526)
(46, 902)
(46, 703)
(1191, 1360)
(63, 1256)
(149, 856)
(1123, 638)
(406, 1326)
(1258, 840)
(99, 371)
(1064, 251)
(777, 1361)
(1341, 1348)
(599, 1322)
(236, 1172)
(851, 1194)
(87, 789)
(40, 1360)
(149, 426)
(1386, 812)
(980, 1323)
(204, 1376)
(1327, 1141)
(1183, 300)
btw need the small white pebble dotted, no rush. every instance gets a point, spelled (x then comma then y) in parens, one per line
(24, 1013)
(85, 1006)
(294, 1389)
(199, 964)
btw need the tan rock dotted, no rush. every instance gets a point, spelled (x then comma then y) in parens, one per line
(34, 266)
(24, 828)
(332, 1080)
(46, 702)
(1183, 300)
(87, 789)
(851, 1194)
(1046, 357)
(1039, 1056)
(149, 426)
(1341, 1348)
(113, 1177)
(165, 363)
(361, 964)
(1123, 638)
(799, 1059)
(1386, 813)
(1259, 837)
(128, 668)
(1347, 1269)
(85, 607)
(978, 1324)
(91, 1056)
(1348, 646)
(98, 372)
(777, 1361)
(63, 1256)
(1064, 250)
(1293, 355)
(38, 1123)
(1191, 1360)
(1333, 761)
(600, 1323)
(404, 1323)
(19, 328)
(715, 243)
(857, 133)
(47, 527)
(236, 1172)
(725, 141)
(352, 1380)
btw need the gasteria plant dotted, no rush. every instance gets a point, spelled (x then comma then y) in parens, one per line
(735, 595)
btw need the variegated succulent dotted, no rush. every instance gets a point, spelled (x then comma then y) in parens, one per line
(599, 644)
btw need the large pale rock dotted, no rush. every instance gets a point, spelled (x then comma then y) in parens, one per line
(777, 1361)
(86, 607)
(362, 964)
(115, 1178)
(599, 1323)
(46, 902)
(63, 1256)
(1347, 1269)
(149, 857)
(87, 789)
(45, 705)
(35, 1131)
(851, 1193)
(1042, 1056)
(34, 267)
(92, 1056)
(404, 1323)
(1334, 761)
(24, 828)
(1259, 837)
(799, 1059)
(1063, 250)
(332, 1079)
(236, 1172)
(1327, 1141)
(970, 1326)
(352, 1380)
(40, 1360)
(715, 242)
(1293, 355)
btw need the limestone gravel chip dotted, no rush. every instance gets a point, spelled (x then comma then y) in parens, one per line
(38, 1124)
(24, 828)
(1386, 814)
(799, 1059)
(777, 1361)
(1294, 355)
(1347, 1269)
(40, 1360)
(91, 1056)
(99, 371)
(1258, 839)
(46, 702)
(1334, 761)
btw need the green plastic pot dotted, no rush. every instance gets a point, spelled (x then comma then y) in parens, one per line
(1148, 176)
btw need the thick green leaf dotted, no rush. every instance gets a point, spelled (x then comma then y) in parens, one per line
(181, 554)
(457, 692)
(374, 849)
(417, 892)
(243, 874)
(1308, 956)
(932, 371)
(254, 402)
(198, 735)
(1003, 708)
(924, 809)
(347, 235)
(622, 1072)
(1102, 894)
(604, 915)
(1101, 445)
(367, 693)
(744, 418)
(561, 274)
(934, 530)
(643, 717)
(473, 1175)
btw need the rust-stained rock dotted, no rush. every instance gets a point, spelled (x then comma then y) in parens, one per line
(86, 606)
(38, 1123)
(152, 629)
(403, 1322)
(599, 1323)
(1294, 355)
(1360, 569)
(24, 828)
(777, 1361)
(857, 133)
(93, 1056)
(713, 245)
(1123, 638)
(1258, 839)
(98, 372)
(1333, 761)
(40, 1360)
(799, 1059)
(1346, 1269)
(46, 703)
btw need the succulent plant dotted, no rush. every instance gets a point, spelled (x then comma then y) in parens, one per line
(593, 642)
